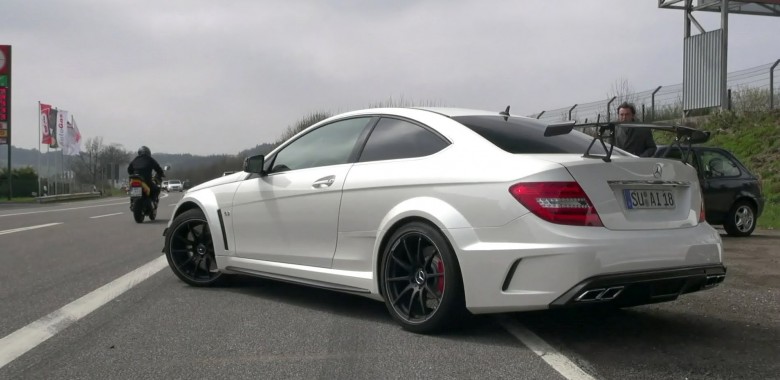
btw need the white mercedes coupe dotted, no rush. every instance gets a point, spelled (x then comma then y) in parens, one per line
(442, 212)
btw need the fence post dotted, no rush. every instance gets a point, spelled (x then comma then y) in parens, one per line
(729, 101)
(609, 105)
(652, 102)
(539, 115)
(772, 85)
(571, 109)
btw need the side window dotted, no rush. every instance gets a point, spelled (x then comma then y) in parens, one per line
(395, 138)
(330, 144)
(717, 165)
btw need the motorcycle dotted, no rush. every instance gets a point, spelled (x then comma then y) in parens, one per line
(141, 202)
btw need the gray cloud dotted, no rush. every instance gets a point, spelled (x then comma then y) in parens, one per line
(205, 77)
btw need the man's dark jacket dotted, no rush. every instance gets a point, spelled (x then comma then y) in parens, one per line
(638, 141)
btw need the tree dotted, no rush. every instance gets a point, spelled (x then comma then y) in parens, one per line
(98, 161)
(85, 167)
(622, 92)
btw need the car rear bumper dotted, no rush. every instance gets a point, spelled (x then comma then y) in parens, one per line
(639, 288)
(546, 265)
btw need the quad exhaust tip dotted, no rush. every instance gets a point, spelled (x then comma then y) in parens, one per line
(600, 294)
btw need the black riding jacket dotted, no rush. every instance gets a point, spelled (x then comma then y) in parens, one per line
(143, 165)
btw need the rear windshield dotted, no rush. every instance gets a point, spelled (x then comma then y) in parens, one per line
(175, 182)
(519, 135)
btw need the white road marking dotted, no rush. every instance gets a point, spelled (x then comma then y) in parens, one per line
(555, 359)
(64, 209)
(30, 336)
(103, 216)
(28, 228)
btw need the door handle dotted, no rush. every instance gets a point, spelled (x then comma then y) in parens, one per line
(324, 182)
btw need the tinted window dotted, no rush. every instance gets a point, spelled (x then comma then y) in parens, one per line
(330, 144)
(518, 135)
(394, 138)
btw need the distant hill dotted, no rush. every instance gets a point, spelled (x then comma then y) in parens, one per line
(21, 157)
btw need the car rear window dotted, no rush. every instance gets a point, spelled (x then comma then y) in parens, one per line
(520, 135)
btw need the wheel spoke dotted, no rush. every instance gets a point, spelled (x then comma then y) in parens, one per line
(421, 300)
(401, 294)
(195, 233)
(183, 239)
(180, 250)
(186, 262)
(418, 252)
(196, 266)
(396, 279)
(403, 265)
(408, 252)
(411, 303)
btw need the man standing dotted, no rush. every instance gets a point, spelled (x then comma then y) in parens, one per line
(638, 141)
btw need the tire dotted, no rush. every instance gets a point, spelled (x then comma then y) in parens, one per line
(421, 281)
(741, 220)
(190, 250)
(138, 213)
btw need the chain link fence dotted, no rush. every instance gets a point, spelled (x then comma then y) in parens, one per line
(752, 89)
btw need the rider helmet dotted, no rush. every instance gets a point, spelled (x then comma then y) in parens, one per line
(144, 151)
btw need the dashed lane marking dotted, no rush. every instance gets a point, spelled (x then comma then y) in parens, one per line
(28, 228)
(30, 336)
(554, 359)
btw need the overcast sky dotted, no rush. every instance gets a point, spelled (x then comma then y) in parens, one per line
(217, 77)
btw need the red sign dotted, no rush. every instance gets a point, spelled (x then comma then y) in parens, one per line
(5, 94)
(5, 59)
(4, 103)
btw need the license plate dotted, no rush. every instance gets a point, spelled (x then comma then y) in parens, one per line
(135, 191)
(645, 199)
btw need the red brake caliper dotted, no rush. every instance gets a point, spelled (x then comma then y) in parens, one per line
(440, 281)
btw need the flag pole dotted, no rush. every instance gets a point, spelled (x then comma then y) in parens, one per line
(39, 148)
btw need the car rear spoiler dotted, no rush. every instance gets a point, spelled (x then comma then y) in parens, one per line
(683, 136)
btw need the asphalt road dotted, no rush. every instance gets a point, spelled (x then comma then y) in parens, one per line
(250, 328)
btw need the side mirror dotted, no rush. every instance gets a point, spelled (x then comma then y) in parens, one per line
(254, 164)
(167, 167)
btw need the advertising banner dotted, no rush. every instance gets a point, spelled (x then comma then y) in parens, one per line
(5, 94)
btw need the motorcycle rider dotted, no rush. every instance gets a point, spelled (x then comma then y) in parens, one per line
(143, 165)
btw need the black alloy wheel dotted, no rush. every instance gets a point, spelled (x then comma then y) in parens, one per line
(741, 220)
(421, 281)
(190, 250)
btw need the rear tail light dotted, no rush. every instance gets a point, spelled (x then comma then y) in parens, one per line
(135, 183)
(557, 202)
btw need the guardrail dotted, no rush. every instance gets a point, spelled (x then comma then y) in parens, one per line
(68, 197)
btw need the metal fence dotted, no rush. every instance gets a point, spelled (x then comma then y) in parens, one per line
(759, 83)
